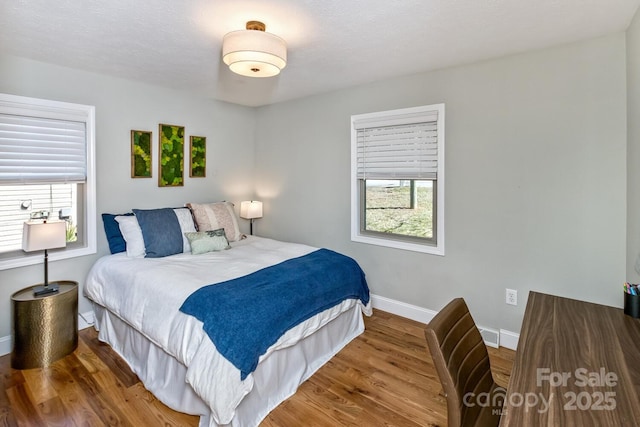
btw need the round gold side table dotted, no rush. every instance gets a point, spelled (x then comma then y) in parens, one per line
(45, 328)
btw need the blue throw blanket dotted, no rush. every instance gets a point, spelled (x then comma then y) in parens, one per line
(245, 316)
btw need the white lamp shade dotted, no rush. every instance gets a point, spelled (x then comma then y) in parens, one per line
(38, 236)
(254, 53)
(251, 209)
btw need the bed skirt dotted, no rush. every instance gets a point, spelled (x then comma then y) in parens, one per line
(276, 378)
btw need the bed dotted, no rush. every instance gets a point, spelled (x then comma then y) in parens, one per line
(137, 305)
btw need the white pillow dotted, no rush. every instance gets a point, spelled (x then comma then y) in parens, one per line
(186, 226)
(132, 235)
(213, 216)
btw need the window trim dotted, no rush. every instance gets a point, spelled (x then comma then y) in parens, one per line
(357, 235)
(20, 105)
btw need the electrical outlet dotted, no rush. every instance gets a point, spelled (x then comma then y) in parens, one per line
(511, 296)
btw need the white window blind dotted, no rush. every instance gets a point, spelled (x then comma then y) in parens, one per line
(404, 146)
(42, 150)
(47, 166)
(18, 202)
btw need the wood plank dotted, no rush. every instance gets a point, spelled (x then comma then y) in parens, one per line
(76, 402)
(116, 365)
(8, 379)
(156, 412)
(53, 412)
(38, 383)
(23, 409)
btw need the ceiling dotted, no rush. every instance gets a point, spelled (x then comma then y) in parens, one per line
(332, 44)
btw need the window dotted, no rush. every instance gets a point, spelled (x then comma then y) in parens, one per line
(46, 172)
(397, 178)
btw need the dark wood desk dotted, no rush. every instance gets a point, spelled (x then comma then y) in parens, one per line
(581, 358)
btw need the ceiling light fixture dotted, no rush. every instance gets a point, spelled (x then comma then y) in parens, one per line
(254, 52)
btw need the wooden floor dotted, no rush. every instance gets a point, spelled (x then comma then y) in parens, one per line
(385, 377)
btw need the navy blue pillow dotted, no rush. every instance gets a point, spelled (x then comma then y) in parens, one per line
(112, 230)
(161, 232)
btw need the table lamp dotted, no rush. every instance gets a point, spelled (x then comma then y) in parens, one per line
(251, 210)
(37, 236)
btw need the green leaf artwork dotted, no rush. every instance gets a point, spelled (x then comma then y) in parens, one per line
(140, 154)
(198, 145)
(171, 163)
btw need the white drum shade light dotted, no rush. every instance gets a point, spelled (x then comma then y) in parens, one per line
(254, 52)
(251, 209)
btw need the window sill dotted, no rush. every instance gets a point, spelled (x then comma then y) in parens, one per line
(38, 257)
(408, 246)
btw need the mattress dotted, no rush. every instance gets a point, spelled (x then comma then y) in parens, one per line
(142, 297)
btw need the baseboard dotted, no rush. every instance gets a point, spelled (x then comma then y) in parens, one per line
(509, 339)
(5, 345)
(402, 309)
(505, 338)
(84, 321)
(492, 337)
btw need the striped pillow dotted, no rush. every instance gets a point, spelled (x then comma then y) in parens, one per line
(212, 216)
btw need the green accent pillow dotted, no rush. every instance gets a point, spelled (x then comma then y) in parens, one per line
(207, 241)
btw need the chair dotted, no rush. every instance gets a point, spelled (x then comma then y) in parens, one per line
(462, 362)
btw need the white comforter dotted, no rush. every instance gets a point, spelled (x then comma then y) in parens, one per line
(148, 292)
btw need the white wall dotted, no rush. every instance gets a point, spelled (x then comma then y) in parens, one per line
(120, 107)
(535, 184)
(633, 150)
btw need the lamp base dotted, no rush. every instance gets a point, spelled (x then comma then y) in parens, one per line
(41, 290)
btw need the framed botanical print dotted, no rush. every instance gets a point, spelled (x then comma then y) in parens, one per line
(140, 154)
(198, 156)
(171, 156)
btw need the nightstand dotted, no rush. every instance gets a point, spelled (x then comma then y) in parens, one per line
(45, 328)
